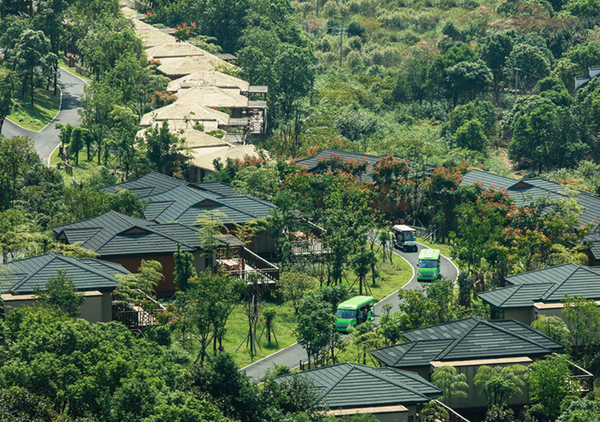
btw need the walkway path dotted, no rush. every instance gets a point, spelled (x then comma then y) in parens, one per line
(47, 140)
(292, 355)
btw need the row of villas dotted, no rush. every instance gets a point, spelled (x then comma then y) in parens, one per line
(401, 385)
(216, 113)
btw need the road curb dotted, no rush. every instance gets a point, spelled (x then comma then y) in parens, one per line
(77, 76)
(49, 123)
(267, 357)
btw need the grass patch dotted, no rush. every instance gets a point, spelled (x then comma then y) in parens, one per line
(45, 107)
(237, 328)
(82, 172)
(392, 277)
(445, 248)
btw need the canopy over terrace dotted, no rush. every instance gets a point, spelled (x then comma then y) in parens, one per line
(212, 97)
(176, 67)
(181, 113)
(206, 78)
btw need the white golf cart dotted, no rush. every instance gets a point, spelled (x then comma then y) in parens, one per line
(405, 237)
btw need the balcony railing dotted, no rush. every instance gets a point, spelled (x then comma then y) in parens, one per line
(585, 378)
(452, 414)
(248, 265)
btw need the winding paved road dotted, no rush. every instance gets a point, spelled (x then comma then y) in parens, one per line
(292, 355)
(47, 140)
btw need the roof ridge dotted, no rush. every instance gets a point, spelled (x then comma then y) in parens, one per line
(439, 325)
(559, 284)
(494, 326)
(158, 233)
(530, 328)
(351, 367)
(538, 270)
(373, 372)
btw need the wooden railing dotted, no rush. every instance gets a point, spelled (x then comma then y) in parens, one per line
(133, 316)
(261, 265)
(452, 414)
(585, 378)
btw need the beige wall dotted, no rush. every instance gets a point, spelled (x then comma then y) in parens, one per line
(524, 315)
(97, 306)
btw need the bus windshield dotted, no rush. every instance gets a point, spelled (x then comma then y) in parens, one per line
(428, 264)
(345, 314)
(409, 236)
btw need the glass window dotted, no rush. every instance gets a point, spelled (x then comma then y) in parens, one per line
(428, 264)
(345, 314)
(409, 236)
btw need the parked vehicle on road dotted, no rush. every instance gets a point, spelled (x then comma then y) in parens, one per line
(354, 311)
(429, 265)
(405, 237)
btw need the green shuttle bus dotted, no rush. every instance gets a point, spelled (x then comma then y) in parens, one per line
(354, 311)
(429, 265)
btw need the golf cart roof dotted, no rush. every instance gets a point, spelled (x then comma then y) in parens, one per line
(356, 302)
(403, 228)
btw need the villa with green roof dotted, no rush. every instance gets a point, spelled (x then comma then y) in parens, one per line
(468, 344)
(541, 292)
(176, 201)
(94, 277)
(128, 240)
(389, 394)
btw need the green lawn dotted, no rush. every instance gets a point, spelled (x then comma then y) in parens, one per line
(82, 172)
(391, 279)
(445, 248)
(237, 328)
(45, 107)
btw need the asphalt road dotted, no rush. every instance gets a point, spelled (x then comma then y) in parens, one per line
(47, 140)
(448, 271)
(292, 355)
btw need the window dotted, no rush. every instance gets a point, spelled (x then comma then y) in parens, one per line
(428, 264)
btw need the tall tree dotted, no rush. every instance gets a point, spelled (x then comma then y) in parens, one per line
(33, 51)
(8, 84)
(499, 384)
(315, 325)
(550, 383)
(97, 104)
(165, 150)
(205, 308)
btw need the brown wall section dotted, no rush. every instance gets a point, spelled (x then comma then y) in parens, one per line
(166, 286)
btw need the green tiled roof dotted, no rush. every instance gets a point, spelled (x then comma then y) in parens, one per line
(414, 353)
(546, 285)
(467, 339)
(174, 200)
(183, 204)
(519, 296)
(115, 234)
(150, 184)
(24, 275)
(349, 385)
